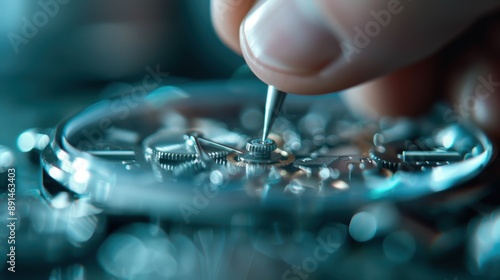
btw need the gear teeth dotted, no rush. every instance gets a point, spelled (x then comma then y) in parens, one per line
(164, 148)
(393, 166)
(286, 159)
(218, 155)
(258, 146)
(171, 166)
(163, 157)
(172, 156)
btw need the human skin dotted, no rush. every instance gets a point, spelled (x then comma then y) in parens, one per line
(391, 57)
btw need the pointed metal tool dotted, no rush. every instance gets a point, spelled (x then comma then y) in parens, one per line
(274, 101)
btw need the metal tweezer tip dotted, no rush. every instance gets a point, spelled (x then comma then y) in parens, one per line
(275, 99)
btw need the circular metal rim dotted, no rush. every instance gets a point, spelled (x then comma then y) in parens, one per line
(60, 154)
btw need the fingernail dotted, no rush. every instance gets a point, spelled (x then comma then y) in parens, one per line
(280, 35)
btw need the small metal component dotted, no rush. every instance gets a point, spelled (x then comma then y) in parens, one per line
(260, 148)
(170, 166)
(261, 153)
(116, 154)
(351, 167)
(189, 157)
(274, 101)
(430, 156)
(219, 145)
(386, 157)
(401, 156)
(279, 159)
(165, 147)
(201, 155)
(314, 162)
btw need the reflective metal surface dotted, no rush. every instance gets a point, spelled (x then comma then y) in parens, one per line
(147, 190)
(71, 159)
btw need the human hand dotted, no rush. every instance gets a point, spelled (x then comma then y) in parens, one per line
(393, 57)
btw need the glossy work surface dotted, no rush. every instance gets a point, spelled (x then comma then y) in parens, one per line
(177, 184)
(326, 159)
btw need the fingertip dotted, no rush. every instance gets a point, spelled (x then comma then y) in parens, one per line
(227, 16)
(474, 89)
(407, 92)
(333, 45)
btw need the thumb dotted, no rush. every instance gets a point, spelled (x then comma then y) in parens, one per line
(321, 46)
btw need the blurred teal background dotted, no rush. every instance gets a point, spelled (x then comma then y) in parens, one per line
(57, 55)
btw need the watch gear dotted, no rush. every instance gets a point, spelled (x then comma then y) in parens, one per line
(413, 155)
(164, 147)
(262, 153)
(278, 158)
(386, 157)
(260, 148)
(110, 203)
